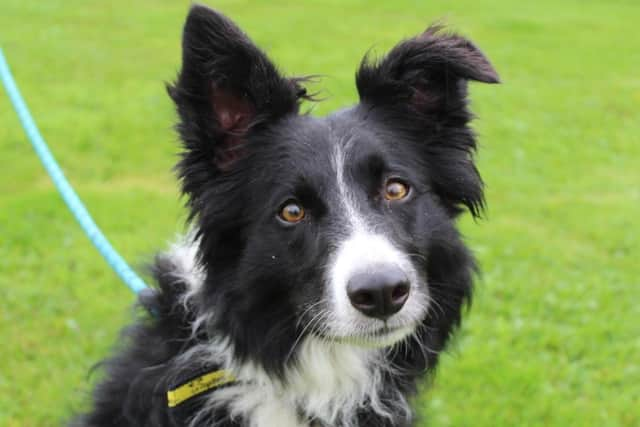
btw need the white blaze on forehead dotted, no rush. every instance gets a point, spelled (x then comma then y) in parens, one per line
(362, 249)
(347, 198)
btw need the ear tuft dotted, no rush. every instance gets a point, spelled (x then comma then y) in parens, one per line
(233, 113)
(424, 70)
(466, 58)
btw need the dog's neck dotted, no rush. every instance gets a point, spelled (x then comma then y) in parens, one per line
(326, 385)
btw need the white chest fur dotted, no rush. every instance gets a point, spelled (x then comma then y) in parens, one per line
(329, 383)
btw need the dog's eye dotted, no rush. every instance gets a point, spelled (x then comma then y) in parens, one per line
(394, 189)
(292, 212)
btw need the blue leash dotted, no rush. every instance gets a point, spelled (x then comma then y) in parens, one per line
(130, 278)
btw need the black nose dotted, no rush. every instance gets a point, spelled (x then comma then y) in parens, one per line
(380, 292)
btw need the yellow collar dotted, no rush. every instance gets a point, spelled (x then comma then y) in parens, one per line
(198, 385)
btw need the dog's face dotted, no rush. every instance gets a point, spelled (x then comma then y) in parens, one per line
(338, 214)
(340, 227)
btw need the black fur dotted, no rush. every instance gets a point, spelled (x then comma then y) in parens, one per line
(247, 150)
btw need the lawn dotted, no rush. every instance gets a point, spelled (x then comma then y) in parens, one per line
(553, 337)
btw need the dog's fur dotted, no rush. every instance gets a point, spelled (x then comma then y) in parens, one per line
(266, 299)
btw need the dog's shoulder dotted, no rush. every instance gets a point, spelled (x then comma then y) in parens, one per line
(142, 367)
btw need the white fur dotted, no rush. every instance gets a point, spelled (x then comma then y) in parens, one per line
(363, 249)
(329, 382)
(351, 213)
(184, 256)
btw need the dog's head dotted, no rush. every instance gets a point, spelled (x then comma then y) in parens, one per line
(340, 227)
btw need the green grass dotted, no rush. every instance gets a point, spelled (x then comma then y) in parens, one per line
(553, 337)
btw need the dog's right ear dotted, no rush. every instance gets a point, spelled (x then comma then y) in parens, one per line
(422, 81)
(226, 87)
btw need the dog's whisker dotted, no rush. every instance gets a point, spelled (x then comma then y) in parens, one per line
(309, 325)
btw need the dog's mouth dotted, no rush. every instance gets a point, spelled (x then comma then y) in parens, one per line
(377, 338)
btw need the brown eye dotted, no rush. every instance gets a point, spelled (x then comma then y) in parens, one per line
(395, 190)
(292, 212)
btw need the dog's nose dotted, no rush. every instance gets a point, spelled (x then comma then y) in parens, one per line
(380, 292)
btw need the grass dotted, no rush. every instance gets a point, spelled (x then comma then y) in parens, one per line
(553, 337)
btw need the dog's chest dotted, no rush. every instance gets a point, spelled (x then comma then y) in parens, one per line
(269, 411)
(325, 387)
(261, 407)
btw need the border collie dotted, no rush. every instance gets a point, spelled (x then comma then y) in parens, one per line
(323, 273)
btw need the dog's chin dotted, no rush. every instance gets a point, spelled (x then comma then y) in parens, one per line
(381, 338)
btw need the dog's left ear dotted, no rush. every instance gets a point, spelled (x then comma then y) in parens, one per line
(422, 83)
(424, 73)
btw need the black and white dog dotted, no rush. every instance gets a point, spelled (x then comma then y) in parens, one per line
(324, 273)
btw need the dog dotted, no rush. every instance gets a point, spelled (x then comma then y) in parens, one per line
(323, 273)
